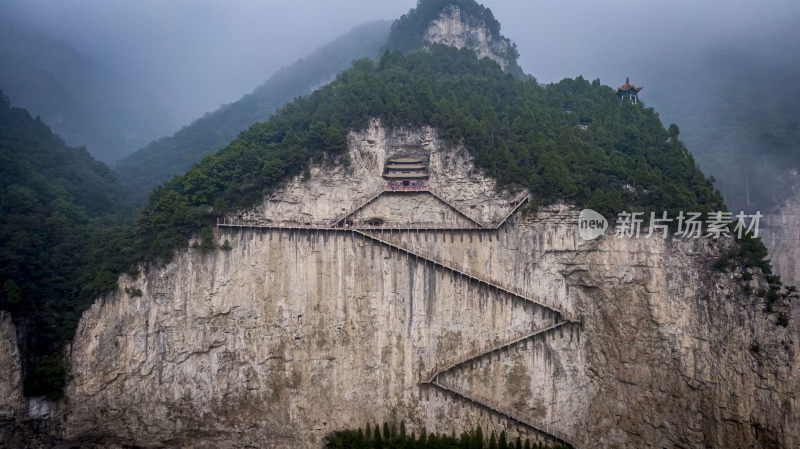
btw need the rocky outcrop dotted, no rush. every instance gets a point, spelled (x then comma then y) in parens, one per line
(454, 29)
(300, 329)
(780, 232)
(24, 422)
(13, 403)
(332, 191)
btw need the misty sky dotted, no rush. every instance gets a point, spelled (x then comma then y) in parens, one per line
(197, 54)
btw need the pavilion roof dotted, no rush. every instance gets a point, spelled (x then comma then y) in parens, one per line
(628, 87)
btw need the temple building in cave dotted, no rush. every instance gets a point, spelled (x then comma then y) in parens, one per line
(405, 173)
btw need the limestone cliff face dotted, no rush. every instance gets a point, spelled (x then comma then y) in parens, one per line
(295, 332)
(12, 403)
(780, 232)
(457, 30)
(24, 422)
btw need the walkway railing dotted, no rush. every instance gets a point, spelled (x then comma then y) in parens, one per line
(400, 189)
(391, 188)
(544, 429)
(347, 214)
(459, 211)
(403, 247)
(483, 353)
(367, 232)
(520, 202)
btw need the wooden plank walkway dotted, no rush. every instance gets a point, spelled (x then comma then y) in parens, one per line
(343, 217)
(483, 353)
(458, 211)
(461, 271)
(520, 202)
(338, 221)
(543, 429)
(364, 233)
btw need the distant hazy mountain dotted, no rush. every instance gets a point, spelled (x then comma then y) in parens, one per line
(164, 158)
(738, 108)
(85, 102)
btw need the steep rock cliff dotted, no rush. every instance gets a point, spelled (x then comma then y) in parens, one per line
(453, 29)
(10, 370)
(295, 332)
(24, 422)
(780, 232)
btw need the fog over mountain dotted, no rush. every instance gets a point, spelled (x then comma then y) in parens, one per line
(87, 101)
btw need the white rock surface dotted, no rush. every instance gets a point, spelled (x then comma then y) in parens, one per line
(453, 29)
(780, 231)
(11, 403)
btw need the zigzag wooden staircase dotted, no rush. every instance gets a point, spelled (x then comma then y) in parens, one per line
(368, 234)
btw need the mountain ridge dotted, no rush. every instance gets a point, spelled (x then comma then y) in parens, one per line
(159, 161)
(85, 102)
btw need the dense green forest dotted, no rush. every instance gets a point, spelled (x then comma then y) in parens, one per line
(148, 167)
(64, 226)
(390, 437)
(408, 32)
(522, 134)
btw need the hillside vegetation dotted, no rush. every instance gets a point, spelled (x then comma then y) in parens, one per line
(62, 224)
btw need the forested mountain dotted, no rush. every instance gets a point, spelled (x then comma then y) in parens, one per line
(62, 208)
(164, 158)
(61, 215)
(522, 134)
(87, 103)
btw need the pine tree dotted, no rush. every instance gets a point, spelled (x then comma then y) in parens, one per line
(493, 441)
(378, 439)
(478, 440)
(502, 444)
